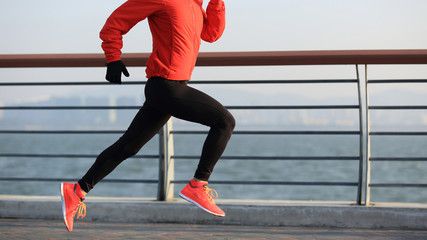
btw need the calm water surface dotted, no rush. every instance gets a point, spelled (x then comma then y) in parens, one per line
(240, 145)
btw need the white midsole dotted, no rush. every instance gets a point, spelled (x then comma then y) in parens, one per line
(63, 204)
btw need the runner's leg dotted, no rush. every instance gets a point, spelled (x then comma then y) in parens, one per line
(144, 126)
(184, 102)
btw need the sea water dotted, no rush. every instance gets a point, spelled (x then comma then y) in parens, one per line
(239, 170)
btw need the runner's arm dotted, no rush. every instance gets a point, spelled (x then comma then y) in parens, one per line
(121, 21)
(214, 23)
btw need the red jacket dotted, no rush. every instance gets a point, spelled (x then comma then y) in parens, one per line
(177, 27)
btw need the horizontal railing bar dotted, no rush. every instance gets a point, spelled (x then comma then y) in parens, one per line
(402, 159)
(398, 133)
(273, 157)
(274, 132)
(21, 84)
(138, 107)
(334, 57)
(20, 155)
(75, 180)
(216, 82)
(294, 107)
(274, 183)
(191, 82)
(62, 131)
(302, 81)
(398, 81)
(184, 181)
(415, 185)
(71, 108)
(16, 155)
(181, 132)
(398, 107)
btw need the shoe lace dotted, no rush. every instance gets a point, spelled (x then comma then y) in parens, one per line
(81, 210)
(211, 193)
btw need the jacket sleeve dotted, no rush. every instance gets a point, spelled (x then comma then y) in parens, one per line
(121, 21)
(214, 23)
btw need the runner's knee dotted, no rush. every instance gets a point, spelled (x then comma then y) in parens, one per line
(227, 123)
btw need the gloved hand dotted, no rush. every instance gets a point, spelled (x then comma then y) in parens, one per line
(115, 70)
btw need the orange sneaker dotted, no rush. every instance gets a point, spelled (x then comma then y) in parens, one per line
(202, 195)
(72, 203)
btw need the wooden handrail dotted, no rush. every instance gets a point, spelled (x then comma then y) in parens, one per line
(336, 57)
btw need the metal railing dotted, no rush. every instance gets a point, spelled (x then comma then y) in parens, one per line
(166, 154)
(370, 133)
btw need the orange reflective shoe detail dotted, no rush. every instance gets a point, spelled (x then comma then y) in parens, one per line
(202, 196)
(71, 204)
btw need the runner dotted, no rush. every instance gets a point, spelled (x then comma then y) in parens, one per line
(177, 28)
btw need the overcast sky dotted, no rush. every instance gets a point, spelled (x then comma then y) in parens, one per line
(56, 26)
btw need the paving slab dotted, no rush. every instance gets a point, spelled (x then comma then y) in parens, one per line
(55, 229)
(238, 212)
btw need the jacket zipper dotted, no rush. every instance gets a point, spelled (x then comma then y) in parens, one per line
(194, 29)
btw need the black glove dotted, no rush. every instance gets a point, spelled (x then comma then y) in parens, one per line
(115, 70)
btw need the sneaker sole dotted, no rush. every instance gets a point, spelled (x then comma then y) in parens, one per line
(204, 209)
(63, 206)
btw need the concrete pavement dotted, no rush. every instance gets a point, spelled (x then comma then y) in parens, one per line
(238, 212)
(32, 217)
(11, 229)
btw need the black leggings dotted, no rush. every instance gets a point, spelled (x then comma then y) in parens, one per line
(166, 98)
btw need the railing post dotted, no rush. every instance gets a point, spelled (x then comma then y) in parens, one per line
(166, 163)
(361, 139)
(368, 141)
